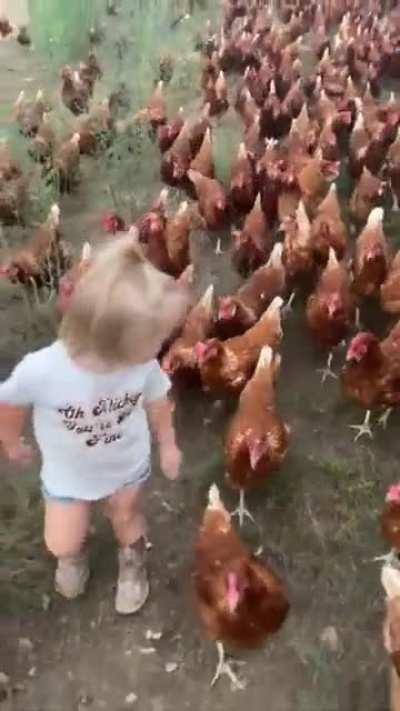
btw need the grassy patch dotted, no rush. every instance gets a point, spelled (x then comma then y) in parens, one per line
(24, 570)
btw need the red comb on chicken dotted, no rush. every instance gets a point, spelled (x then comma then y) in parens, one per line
(113, 223)
(69, 281)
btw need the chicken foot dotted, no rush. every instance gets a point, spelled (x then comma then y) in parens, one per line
(383, 420)
(395, 206)
(287, 308)
(358, 319)
(35, 291)
(218, 249)
(3, 242)
(327, 372)
(388, 559)
(364, 429)
(241, 510)
(224, 669)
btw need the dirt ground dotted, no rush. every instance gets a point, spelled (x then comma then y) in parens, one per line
(318, 526)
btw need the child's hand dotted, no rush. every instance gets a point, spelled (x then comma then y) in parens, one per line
(18, 452)
(170, 459)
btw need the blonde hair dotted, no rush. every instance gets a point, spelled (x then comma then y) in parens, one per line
(123, 309)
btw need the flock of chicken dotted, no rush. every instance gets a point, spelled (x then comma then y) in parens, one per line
(301, 131)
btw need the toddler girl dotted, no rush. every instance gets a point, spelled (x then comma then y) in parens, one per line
(93, 392)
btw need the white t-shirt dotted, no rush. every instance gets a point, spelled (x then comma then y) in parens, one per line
(91, 428)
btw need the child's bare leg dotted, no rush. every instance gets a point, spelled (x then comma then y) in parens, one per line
(124, 511)
(66, 527)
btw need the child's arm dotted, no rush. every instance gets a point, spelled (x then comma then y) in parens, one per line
(12, 421)
(160, 414)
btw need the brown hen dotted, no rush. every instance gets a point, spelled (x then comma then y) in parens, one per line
(390, 578)
(29, 114)
(252, 244)
(390, 518)
(390, 289)
(177, 238)
(393, 168)
(298, 256)
(212, 199)
(180, 361)
(242, 187)
(240, 311)
(169, 132)
(371, 261)
(203, 162)
(226, 366)
(331, 308)
(42, 261)
(240, 600)
(367, 194)
(257, 439)
(328, 229)
(371, 375)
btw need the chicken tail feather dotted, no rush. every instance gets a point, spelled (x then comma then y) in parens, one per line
(390, 579)
(375, 218)
(207, 298)
(214, 499)
(275, 305)
(267, 359)
(275, 259)
(55, 213)
(86, 252)
(332, 261)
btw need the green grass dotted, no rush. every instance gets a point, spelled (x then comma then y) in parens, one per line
(24, 570)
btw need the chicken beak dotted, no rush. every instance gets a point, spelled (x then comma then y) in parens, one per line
(353, 356)
(226, 312)
(200, 350)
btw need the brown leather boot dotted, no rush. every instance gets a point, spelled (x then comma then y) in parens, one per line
(133, 584)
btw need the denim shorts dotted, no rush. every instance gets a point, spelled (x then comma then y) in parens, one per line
(48, 496)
